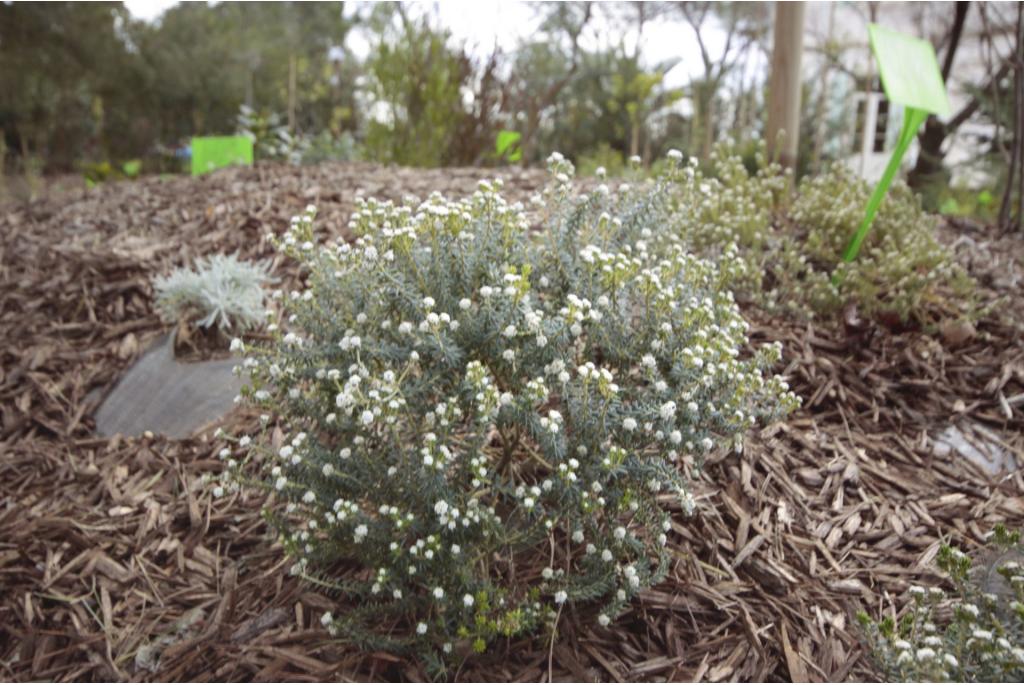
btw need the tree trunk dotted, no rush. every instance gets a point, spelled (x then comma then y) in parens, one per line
(634, 134)
(739, 113)
(1015, 173)
(695, 120)
(292, 68)
(529, 132)
(709, 126)
(928, 166)
(784, 91)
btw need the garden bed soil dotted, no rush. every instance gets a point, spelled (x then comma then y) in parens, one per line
(197, 344)
(116, 562)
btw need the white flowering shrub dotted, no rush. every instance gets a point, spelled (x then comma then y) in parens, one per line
(976, 634)
(221, 291)
(792, 243)
(482, 424)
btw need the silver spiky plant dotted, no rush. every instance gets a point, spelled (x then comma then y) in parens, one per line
(222, 290)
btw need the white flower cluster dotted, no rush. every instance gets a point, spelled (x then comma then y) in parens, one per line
(456, 392)
(984, 638)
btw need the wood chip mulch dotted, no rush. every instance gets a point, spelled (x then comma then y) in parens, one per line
(117, 564)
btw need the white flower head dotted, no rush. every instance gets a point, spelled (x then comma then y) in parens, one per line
(668, 410)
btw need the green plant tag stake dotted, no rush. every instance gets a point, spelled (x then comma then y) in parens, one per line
(132, 167)
(220, 151)
(507, 145)
(911, 77)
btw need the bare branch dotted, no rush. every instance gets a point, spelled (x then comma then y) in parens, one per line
(954, 37)
(971, 107)
(695, 24)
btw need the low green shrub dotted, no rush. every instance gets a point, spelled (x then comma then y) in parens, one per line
(481, 424)
(270, 137)
(327, 147)
(603, 161)
(273, 141)
(792, 242)
(221, 291)
(901, 265)
(974, 634)
(96, 173)
(980, 205)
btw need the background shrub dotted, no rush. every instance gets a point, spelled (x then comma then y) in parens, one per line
(792, 242)
(901, 266)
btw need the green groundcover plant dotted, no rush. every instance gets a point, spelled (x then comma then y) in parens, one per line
(974, 634)
(480, 423)
(792, 242)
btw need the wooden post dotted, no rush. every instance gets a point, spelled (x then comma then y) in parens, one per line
(1015, 173)
(292, 68)
(784, 88)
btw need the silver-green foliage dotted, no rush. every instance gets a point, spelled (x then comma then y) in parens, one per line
(974, 634)
(486, 423)
(222, 290)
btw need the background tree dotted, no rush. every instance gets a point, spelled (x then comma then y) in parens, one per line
(929, 168)
(1011, 210)
(205, 61)
(65, 73)
(743, 24)
(82, 81)
(554, 58)
(414, 87)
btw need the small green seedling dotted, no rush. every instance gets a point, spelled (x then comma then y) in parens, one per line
(132, 167)
(911, 77)
(220, 151)
(507, 145)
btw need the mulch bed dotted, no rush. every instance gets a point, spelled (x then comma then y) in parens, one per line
(116, 563)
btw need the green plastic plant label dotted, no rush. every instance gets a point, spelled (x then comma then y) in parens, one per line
(909, 70)
(132, 167)
(216, 152)
(507, 145)
(911, 77)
